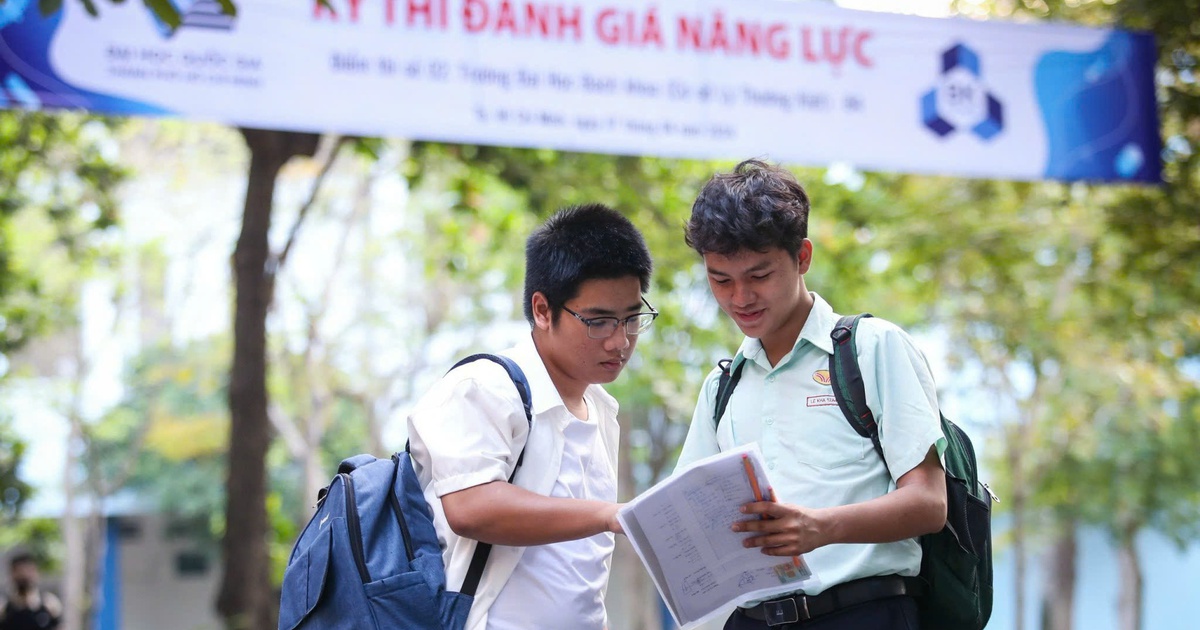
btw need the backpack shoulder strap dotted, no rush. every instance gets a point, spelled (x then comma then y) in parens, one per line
(846, 378)
(483, 550)
(522, 384)
(725, 388)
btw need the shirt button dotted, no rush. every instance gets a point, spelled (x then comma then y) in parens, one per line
(771, 378)
(771, 465)
(770, 420)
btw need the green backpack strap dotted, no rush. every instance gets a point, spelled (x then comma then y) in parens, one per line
(725, 388)
(955, 581)
(846, 378)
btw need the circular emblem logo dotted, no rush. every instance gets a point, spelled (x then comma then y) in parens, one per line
(822, 377)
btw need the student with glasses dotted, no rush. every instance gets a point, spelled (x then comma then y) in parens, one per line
(552, 529)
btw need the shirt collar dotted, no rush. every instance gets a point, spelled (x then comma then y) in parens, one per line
(31, 601)
(545, 394)
(816, 331)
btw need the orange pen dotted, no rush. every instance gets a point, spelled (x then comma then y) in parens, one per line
(758, 496)
(752, 477)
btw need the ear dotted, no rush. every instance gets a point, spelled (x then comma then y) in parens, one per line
(542, 312)
(804, 256)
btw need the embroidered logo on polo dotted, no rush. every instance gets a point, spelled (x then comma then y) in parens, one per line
(822, 377)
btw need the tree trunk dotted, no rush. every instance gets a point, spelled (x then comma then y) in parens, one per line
(1058, 592)
(245, 600)
(74, 539)
(74, 519)
(1015, 449)
(98, 548)
(630, 585)
(315, 474)
(1129, 567)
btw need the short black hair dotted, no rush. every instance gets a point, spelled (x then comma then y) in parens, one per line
(581, 243)
(756, 207)
(21, 557)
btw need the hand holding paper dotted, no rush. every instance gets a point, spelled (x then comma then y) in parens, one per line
(758, 497)
(779, 529)
(683, 530)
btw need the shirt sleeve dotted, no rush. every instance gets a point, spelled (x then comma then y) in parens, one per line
(53, 605)
(701, 440)
(903, 398)
(469, 428)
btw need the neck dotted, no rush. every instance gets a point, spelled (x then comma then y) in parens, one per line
(781, 342)
(569, 389)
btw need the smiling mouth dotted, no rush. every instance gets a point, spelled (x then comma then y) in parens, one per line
(750, 316)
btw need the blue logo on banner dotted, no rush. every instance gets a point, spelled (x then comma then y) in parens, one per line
(28, 79)
(961, 100)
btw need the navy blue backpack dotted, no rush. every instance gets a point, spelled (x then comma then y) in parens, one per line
(369, 558)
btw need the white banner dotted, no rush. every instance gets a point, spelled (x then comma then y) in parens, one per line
(799, 82)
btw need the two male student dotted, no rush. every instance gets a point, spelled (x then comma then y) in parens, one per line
(587, 268)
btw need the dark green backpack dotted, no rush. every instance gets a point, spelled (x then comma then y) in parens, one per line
(956, 563)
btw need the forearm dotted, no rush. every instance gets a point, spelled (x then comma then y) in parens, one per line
(503, 514)
(917, 506)
(900, 514)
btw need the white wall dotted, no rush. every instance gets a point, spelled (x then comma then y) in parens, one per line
(154, 596)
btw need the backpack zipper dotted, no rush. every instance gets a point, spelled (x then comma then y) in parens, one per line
(408, 550)
(356, 544)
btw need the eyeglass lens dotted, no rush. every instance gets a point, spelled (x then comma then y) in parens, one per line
(604, 327)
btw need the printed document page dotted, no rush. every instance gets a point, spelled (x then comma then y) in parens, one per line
(681, 530)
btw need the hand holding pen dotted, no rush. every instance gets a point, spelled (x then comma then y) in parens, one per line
(763, 516)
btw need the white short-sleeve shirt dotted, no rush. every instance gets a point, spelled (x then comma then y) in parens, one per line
(813, 456)
(469, 429)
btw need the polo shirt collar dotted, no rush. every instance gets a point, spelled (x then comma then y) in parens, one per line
(545, 394)
(819, 326)
(816, 331)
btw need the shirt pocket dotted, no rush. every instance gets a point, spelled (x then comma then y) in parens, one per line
(823, 438)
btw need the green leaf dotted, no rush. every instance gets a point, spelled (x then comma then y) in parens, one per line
(165, 11)
(49, 7)
(90, 7)
(228, 7)
(368, 147)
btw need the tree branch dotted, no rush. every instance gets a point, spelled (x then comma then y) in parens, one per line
(327, 153)
(287, 430)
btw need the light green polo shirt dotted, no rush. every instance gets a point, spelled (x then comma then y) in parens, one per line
(813, 456)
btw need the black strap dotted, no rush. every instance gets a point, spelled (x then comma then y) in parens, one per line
(725, 388)
(847, 380)
(482, 549)
(518, 378)
(845, 376)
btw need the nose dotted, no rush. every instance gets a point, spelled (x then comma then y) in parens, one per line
(619, 340)
(741, 295)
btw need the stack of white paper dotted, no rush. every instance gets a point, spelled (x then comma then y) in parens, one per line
(681, 530)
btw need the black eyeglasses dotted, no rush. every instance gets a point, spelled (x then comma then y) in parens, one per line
(604, 327)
